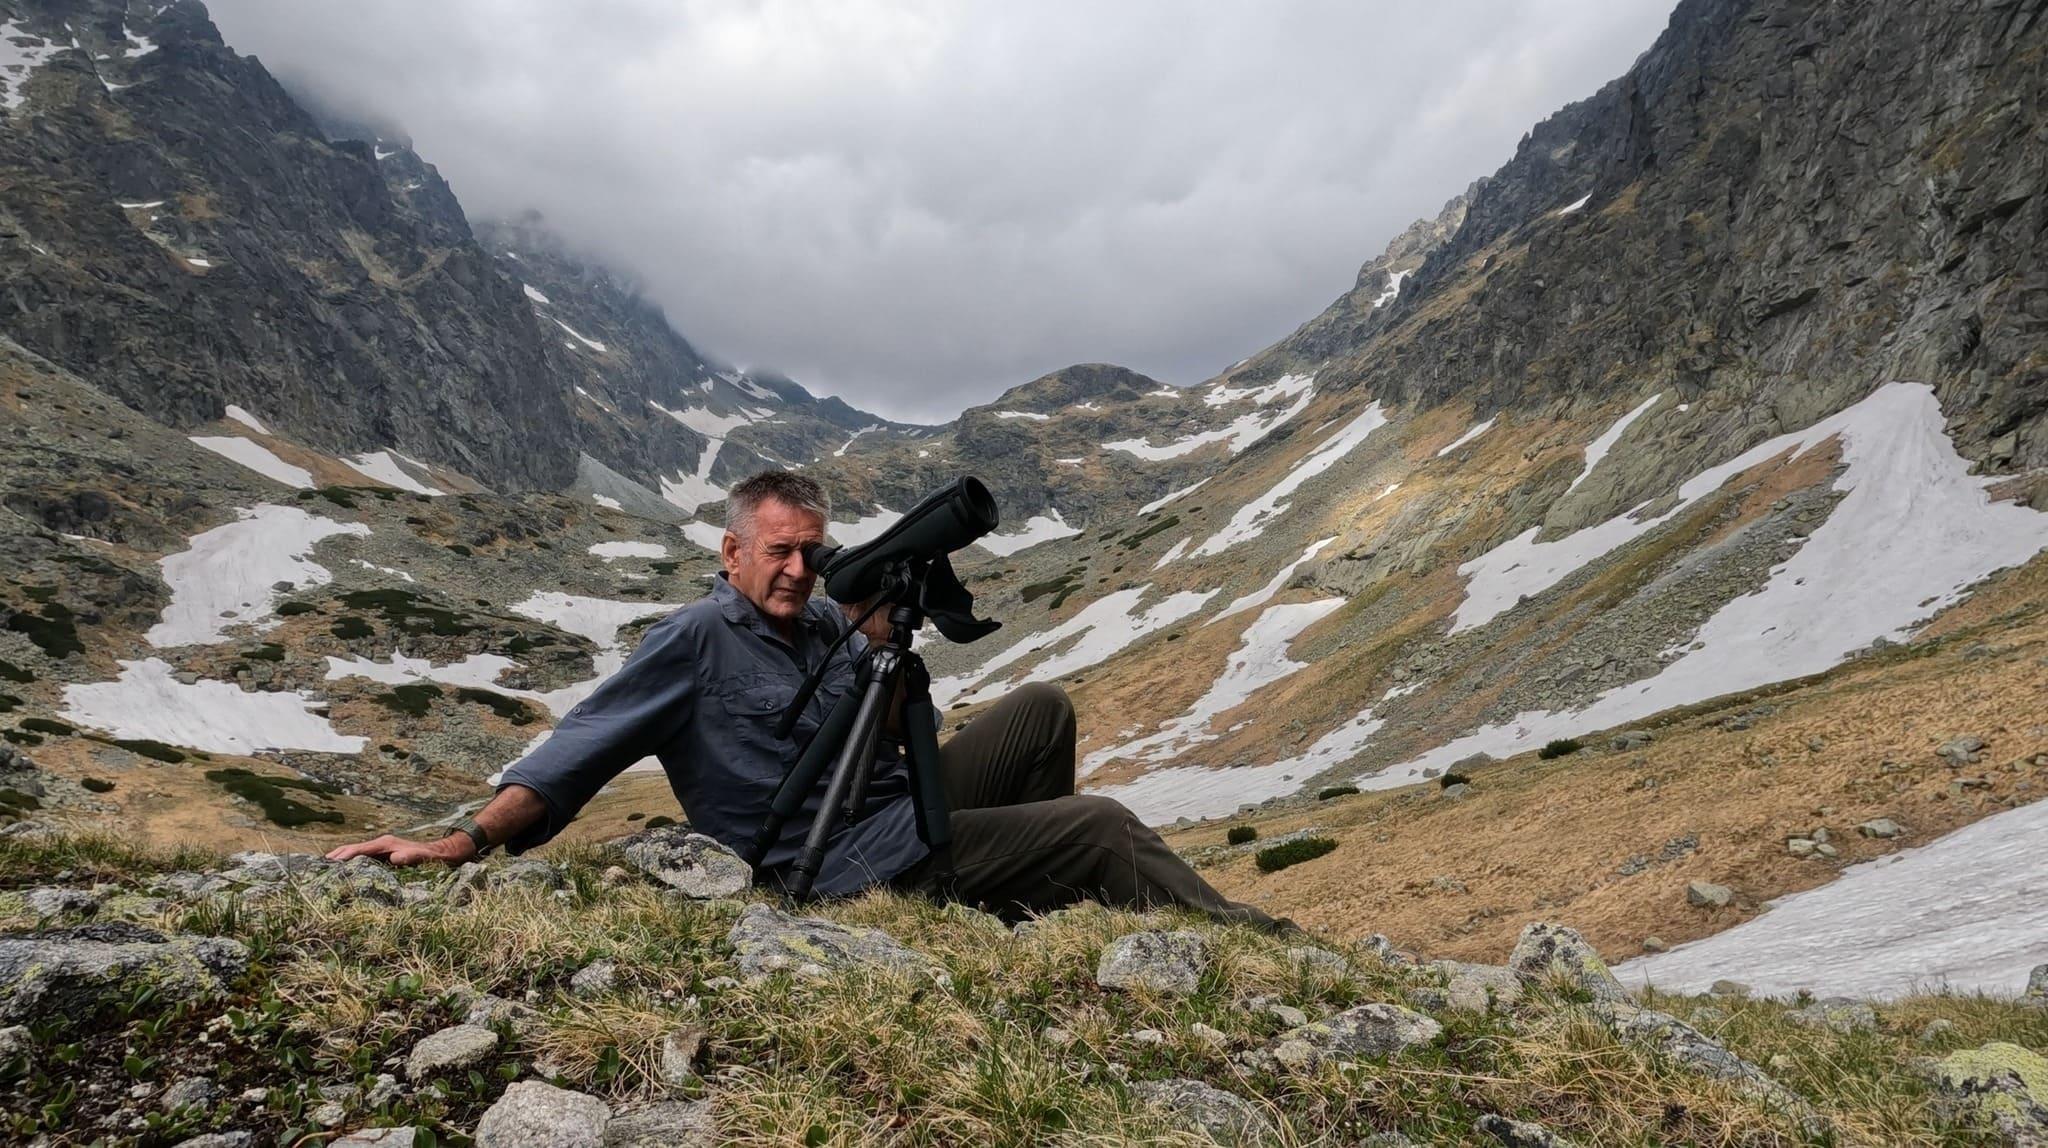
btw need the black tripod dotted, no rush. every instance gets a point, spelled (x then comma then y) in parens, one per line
(848, 739)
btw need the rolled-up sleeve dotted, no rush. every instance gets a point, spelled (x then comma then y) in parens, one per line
(630, 716)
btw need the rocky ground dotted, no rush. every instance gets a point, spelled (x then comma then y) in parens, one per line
(639, 994)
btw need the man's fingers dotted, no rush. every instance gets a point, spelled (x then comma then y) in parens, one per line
(380, 847)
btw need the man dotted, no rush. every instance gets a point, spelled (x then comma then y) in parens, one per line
(704, 693)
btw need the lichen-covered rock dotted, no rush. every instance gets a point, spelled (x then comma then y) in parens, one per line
(1224, 1117)
(190, 1092)
(1696, 1052)
(766, 941)
(1478, 988)
(69, 972)
(1321, 961)
(15, 1040)
(2002, 1084)
(450, 1050)
(1154, 961)
(1518, 1133)
(1839, 1014)
(679, 1053)
(2037, 986)
(1547, 952)
(523, 873)
(1366, 1031)
(487, 1011)
(53, 901)
(594, 979)
(219, 1140)
(376, 1138)
(536, 1115)
(1707, 895)
(691, 863)
(669, 1124)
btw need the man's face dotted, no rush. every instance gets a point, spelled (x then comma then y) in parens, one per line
(768, 567)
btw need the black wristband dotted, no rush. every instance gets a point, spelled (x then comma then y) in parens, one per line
(477, 837)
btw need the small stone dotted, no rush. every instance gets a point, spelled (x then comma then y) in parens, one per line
(524, 873)
(1821, 836)
(1654, 945)
(1148, 1036)
(1285, 1013)
(594, 979)
(1961, 750)
(1826, 850)
(1222, 1116)
(615, 876)
(1518, 1133)
(1801, 846)
(1370, 1030)
(1214, 1037)
(1632, 739)
(1709, 1015)
(1454, 792)
(2037, 986)
(219, 1140)
(1319, 960)
(1056, 1035)
(1707, 895)
(1882, 828)
(15, 1040)
(487, 1011)
(1152, 961)
(1726, 988)
(532, 1114)
(190, 1092)
(1546, 952)
(1838, 1014)
(376, 1138)
(1936, 1029)
(679, 1052)
(667, 1124)
(450, 1050)
(382, 1091)
(1478, 988)
(329, 1114)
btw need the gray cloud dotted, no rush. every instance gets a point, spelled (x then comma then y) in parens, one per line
(917, 204)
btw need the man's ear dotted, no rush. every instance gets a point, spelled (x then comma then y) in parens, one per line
(729, 551)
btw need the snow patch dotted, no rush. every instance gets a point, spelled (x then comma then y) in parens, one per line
(1102, 629)
(611, 551)
(1259, 661)
(1196, 791)
(246, 419)
(1037, 418)
(1964, 912)
(1393, 289)
(146, 701)
(1038, 528)
(17, 61)
(606, 501)
(138, 46)
(1157, 503)
(1242, 432)
(1264, 594)
(141, 206)
(391, 570)
(1173, 555)
(225, 577)
(535, 294)
(704, 534)
(1468, 436)
(1598, 448)
(866, 528)
(1913, 533)
(1251, 519)
(381, 466)
(1284, 387)
(478, 670)
(841, 452)
(587, 341)
(1575, 204)
(256, 457)
(598, 619)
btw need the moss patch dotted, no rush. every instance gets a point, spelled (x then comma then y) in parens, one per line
(268, 794)
(409, 612)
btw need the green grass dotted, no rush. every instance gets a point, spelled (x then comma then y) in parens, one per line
(338, 990)
(149, 748)
(14, 800)
(1274, 858)
(1559, 747)
(268, 793)
(9, 703)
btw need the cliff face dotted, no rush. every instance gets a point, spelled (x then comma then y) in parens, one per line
(1789, 202)
(182, 234)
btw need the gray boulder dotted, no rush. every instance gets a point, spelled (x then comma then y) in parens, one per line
(2037, 986)
(1154, 961)
(680, 1051)
(536, 1115)
(189, 1092)
(219, 1140)
(53, 901)
(68, 972)
(595, 979)
(450, 1050)
(523, 873)
(1961, 750)
(1698, 1053)
(766, 941)
(669, 1124)
(1882, 828)
(1837, 1014)
(1358, 1033)
(1224, 1117)
(1547, 952)
(1629, 739)
(691, 863)
(1707, 895)
(15, 1040)
(1518, 1133)
(1317, 960)
(1478, 988)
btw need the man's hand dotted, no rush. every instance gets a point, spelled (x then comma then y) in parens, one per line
(453, 849)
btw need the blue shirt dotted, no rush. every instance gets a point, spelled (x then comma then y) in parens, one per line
(704, 693)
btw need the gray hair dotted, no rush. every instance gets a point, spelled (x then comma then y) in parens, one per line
(784, 486)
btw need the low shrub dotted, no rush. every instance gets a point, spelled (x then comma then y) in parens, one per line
(1274, 858)
(1329, 791)
(96, 784)
(1239, 834)
(1559, 748)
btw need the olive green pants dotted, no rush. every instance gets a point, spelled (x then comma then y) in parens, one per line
(1025, 842)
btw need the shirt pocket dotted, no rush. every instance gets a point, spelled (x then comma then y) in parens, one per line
(754, 704)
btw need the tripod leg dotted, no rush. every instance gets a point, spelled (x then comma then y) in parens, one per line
(927, 782)
(855, 756)
(789, 797)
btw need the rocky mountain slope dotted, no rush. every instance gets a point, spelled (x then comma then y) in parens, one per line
(1654, 533)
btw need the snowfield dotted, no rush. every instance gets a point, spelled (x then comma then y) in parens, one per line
(1102, 628)
(1164, 499)
(147, 702)
(1965, 912)
(382, 466)
(1038, 528)
(1242, 432)
(256, 457)
(1195, 791)
(1251, 519)
(611, 551)
(1913, 533)
(225, 578)
(1264, 594)
(598, 619)
(1468, 436)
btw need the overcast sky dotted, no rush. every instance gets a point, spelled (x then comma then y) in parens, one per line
(916, 205)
